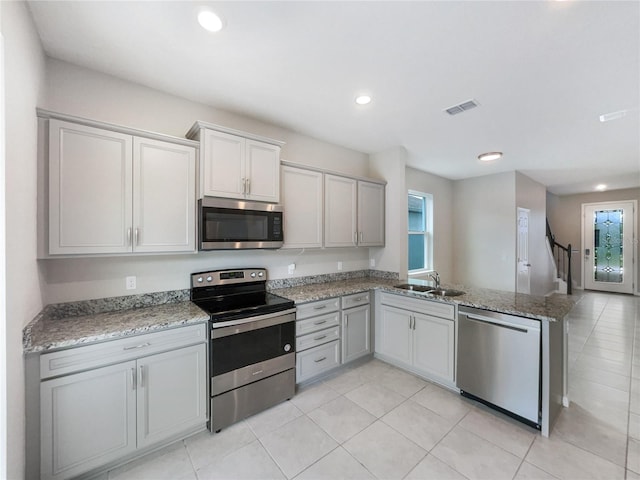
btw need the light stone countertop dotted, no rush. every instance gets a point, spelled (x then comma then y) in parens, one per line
(48, 332)
(75, 324)
(551, 308)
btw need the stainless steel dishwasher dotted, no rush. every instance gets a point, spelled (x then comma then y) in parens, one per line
(499, 362)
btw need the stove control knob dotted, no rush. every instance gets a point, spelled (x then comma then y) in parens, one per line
(253, 274)
(199, 280)
(287, 347)
(261, 274)
(209, 278)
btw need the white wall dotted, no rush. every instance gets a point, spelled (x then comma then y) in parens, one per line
(533, 195)
(484, 231)
(565, 218)
(24, 69)
(391, 166)
(78, 91)
(442, 191)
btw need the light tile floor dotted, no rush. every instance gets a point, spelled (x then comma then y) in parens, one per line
(375, 421)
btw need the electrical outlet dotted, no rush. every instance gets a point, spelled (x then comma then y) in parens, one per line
(130, 283)
(291, 268)
(339, 265)
(372, 262)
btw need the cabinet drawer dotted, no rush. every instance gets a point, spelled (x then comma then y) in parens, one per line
(92, 356)
(318, 338)
(314, 324)
(312, 309)
(316, 360)
(428, 307)
(355, 300)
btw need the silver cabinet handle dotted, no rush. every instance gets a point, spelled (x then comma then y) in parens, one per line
(320, 322)
(128, 236)
(355, 238)
(248, 185)
(136, 237)
(346, 320)
(322, 359)
(321, 337)
(141, 345)
(361, 237)
(141, 382)
(320, 307)
(244, 185)
(133, 378)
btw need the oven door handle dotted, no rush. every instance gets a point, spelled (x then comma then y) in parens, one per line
(224, 329)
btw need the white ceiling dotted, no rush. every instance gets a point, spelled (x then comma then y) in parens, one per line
(542, 71)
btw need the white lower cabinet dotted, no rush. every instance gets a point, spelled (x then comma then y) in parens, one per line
(95, 417)
(317, 360)
(418, 335)
(356, 333)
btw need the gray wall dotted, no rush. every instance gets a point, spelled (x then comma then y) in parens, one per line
(565, 217)
(532, 195)
(442, 191)
(484, 231)
(86, 93)
(23, 70)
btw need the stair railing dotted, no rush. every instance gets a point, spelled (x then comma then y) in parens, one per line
(562, 257)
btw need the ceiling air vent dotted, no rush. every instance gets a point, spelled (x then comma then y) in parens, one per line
(462, 107)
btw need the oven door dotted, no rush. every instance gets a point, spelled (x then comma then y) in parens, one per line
(231, 224)
(251, 351)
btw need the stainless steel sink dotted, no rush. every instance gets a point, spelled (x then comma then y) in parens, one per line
(445, 292)
(415, 288)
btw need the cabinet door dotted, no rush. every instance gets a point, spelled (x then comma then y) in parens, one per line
(302, 201)
(172, 395)
(222, 166)
(339, 211)
(87, 419)
(164, 196)
(355, 333)
(90, 189)
(370, 214)
(433, 346)
(395, 339)
(262, 171)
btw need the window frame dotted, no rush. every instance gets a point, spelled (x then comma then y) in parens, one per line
(428, 233)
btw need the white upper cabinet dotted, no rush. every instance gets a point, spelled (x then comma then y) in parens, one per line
(302, 202)
(354, 212)
(370, 214)
(113, 192)
(164, 196)
(340, 207)
(238, 165)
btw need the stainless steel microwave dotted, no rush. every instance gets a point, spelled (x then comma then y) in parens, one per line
(226, 224)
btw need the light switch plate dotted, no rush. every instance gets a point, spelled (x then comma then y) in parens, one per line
(130, 283)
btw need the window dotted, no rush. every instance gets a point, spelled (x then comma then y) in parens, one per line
(420, 207)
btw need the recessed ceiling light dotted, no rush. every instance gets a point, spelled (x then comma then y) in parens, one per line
(210, 21)
(601, 187)
(607, 117)
(363, 99)
(489, 156)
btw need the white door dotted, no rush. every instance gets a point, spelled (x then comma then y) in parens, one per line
(433, 346)
(262, 171)
(90, 189)
(172, 395)
(86, 420)
(523, 277)
(223, 165)
(370, 214)
(164, 177)
(302, 201)
(395, 339)
(339, 211)
(355, 333)
(608, 246)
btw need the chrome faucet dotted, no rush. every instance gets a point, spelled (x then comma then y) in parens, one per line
(436, 278)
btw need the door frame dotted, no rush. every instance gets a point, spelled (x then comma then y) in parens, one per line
(634, 251)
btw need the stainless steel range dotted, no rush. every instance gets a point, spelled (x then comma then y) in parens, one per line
(252, 349)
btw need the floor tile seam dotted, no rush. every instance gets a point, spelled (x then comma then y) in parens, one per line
(524, 459)
(570, 442)
(634, 348)
(195, 471)
(273, 458)
(600, 383)
(279, 426)
(494, 444)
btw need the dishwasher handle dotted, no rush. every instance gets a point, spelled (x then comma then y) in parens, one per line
(497, 324)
